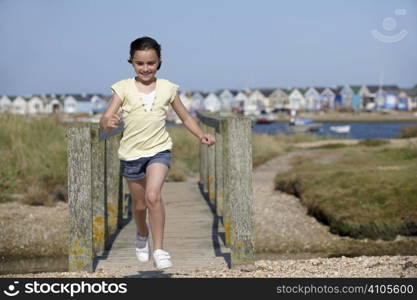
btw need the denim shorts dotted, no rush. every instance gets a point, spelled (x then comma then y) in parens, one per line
(136, 169)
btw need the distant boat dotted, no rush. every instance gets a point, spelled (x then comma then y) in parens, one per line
(266, 119)
(301, 122)
(304, 125)
(340, 129)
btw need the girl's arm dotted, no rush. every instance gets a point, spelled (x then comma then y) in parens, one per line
(190, 123)
(110, 119)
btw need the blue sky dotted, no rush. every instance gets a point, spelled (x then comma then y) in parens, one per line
(53, 46)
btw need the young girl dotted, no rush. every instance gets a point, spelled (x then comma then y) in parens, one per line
(145, 148)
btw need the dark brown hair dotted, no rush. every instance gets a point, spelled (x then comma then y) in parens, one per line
(145, 43)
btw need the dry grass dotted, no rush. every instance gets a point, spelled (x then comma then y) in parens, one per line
(408, 132)
(33, 156)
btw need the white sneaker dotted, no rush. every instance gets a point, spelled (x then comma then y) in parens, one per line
(161, 259)
(142, 248)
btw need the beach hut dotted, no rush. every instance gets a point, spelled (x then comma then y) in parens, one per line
(367, 94)
(84, 104)
(77, 103)
(386, 97)
(255, 103)
(412, 97)
(337, 97)
(54, 105)
(227, 99)
(296, 99)
(70, 104)
(35, 106)
(379, 99)
(98, 103)
(346, 93)
(240, 99)
(266, 102)
(403, 101)
(5, 104)
(356, 98)
(312, 99)
(327, 99)
(19, 105)
(212, 102)
(198, 101)
(391, 99)
(278, 100)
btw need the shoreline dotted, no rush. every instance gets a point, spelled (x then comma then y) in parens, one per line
(354, 117)
(318, 119)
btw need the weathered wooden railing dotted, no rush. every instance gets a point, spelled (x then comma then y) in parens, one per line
(96, 192)
(226, 177)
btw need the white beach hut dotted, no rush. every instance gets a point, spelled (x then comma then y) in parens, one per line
(35, 106)
(19, 106)
(5, 104)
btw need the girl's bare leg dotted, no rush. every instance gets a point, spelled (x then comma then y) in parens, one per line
(137, 191)
(155, 177)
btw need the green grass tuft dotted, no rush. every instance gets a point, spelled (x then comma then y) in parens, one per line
(373, 142)
(368, 192)
(408, 132)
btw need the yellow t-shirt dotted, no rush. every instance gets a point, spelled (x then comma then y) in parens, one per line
(144, 131)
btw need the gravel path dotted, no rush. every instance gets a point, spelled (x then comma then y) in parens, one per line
(343, 267)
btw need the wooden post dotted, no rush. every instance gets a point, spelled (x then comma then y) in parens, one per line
(211, 165)
(112, 184)
(219, 172)
(201, 149)
(98, 189)
(81, 252)
(238, 186)
(226, 190)
(203, 157)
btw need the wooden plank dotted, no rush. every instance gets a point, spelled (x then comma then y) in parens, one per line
(190, 246)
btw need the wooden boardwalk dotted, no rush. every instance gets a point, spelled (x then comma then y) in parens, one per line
(193, 237)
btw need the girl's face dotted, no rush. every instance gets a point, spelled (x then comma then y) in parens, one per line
(145, 63)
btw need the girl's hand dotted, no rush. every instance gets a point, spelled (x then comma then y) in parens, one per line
(114, 122)
(207, 139)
